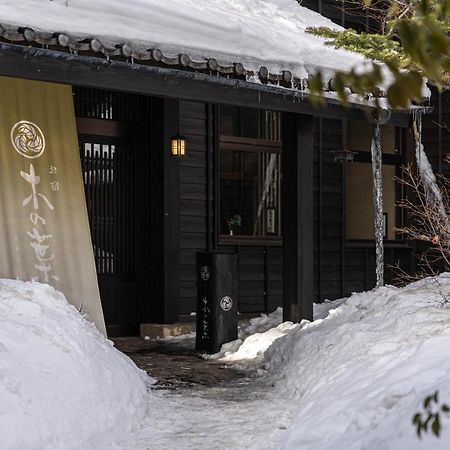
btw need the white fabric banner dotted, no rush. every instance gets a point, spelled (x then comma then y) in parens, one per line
(44, 228)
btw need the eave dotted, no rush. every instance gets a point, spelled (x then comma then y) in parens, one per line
(62, 67)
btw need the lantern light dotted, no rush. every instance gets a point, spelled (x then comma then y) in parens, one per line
(343, 155)
(178, 145)
(178, 142)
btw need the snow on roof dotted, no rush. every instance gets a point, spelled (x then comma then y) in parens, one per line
(255, 33)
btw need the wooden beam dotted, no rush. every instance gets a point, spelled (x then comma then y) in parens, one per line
(100, 127)
(297, 218)
(59, 67)
(165, 240)
(171, 213)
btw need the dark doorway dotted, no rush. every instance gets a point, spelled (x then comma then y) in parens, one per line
(114, 133)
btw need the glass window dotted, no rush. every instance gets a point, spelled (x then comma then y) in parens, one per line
(360, 214)
(360, 221)
(359, 138)
(250, 158)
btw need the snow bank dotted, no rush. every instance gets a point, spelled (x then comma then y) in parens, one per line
(62, 384)
(255, 337)
(360, 374)
(260, 333)
(253, 32)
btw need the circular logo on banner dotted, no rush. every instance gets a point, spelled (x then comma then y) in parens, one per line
(226, 303)
(28, 139)
(205, 273)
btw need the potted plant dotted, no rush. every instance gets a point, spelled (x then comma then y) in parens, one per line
(233, 223)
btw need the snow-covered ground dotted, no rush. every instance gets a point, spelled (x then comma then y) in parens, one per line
(352, 379)
(359, 375)
(62, 384)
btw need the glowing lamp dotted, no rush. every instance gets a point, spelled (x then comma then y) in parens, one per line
(178, 146)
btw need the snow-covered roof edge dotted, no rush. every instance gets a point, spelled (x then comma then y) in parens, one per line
(154, 56)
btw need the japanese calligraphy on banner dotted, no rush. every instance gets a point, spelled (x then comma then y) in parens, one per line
(44, 228)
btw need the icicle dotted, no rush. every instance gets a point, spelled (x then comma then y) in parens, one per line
(427, 176)
(378, 202)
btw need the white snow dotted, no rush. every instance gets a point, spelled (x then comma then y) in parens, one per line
(62, 384)
(254, 32)
(260, 333)
(254, 339)
(351, 379)
(254, 347)
(262, 323)
(358, 376)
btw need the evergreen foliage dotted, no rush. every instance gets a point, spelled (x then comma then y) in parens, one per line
(415, 48)
(373, 46)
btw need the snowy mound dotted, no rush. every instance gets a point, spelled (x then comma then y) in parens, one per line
(254, 339)
(253, 32)
(249, 351)
(360, 374)
(62, 384)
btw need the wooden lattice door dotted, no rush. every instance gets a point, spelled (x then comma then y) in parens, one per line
(110, 165)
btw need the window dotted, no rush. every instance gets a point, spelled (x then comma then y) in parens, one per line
(360, 214)
(250, 159)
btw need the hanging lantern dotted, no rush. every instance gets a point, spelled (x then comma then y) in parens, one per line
(178, 145)
(343, 155)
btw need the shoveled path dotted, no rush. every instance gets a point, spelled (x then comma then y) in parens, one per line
(200, 404)
(175, 363)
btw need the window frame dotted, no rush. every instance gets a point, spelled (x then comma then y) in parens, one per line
(253, 145)
(390, 159)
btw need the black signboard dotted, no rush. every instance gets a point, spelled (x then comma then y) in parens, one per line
(217, 293)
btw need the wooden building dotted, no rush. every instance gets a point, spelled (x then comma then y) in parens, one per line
(259, 177)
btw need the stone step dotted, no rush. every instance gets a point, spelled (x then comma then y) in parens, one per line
(155, 330)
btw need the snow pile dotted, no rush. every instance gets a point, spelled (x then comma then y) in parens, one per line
(321, 310)
(62, 384)
(261, 332)
(252, 350)
(254, 339)
(360, 374)
(261, 324)
(253, 32)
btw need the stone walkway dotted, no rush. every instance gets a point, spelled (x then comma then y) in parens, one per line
(175, 363)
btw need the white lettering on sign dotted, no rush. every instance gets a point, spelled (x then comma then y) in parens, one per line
(34, 180)
(35, 218)
(29, 141)
(55, 186)
(205, 321)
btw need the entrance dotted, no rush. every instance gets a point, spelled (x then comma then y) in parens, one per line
(113, 157)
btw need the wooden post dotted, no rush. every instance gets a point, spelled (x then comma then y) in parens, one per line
(163, 300)
(297, 217)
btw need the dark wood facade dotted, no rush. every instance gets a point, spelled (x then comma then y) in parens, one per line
(340, 266)
(345, 13)
(260, 266)
(178, 197)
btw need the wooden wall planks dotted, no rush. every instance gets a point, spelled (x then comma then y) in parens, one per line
(339, 269)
